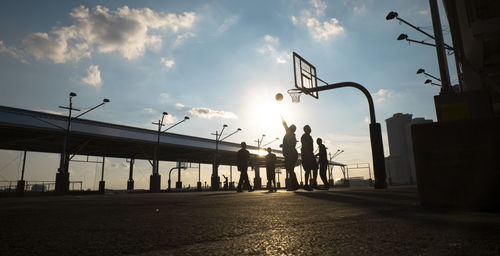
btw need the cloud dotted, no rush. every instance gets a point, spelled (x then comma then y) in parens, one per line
(319, 7)
(180, 106)
(319, 30)
(423, 12)
(227, 24)
(382, 95)
(170, 119)
(269, 49)
(181, 38)
(359, 10)
(126, 31)
(169, 63)
(93, 77)
(271, 39)
(50, 111)
(13, 52)
(209, 113)
(165, 95)
(149, 110)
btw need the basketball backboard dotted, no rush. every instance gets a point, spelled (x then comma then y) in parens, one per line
(305, 75)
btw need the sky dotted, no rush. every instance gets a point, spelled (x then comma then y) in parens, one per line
(218, 62)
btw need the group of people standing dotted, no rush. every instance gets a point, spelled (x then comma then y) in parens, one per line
(291, 155)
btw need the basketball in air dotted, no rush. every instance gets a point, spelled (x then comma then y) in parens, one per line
(279, 96)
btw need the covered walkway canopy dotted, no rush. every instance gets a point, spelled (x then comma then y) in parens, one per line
(28, 130)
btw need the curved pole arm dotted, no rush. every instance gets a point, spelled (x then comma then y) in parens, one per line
(349, 84)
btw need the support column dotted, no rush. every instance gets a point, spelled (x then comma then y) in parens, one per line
(155, 178)
(102, 182)
(198, 184)
(21, 183)
(178, 184)
(62, 176)
(257, 181)
(130, 182)
(231, 183)
(215, 179)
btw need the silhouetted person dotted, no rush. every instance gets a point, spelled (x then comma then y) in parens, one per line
(290, 153)
(270, 169)
(307, 153)
(242, 160)
(323, 162)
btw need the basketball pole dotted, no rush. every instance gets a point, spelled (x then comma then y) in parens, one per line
(375, 131)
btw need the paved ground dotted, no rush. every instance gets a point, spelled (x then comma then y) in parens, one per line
(348, 222)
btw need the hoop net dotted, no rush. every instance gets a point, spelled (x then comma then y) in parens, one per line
(295, 94)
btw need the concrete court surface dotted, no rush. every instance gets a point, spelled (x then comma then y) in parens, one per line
(355, 221)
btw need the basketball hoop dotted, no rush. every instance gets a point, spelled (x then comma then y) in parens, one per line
(295, 94)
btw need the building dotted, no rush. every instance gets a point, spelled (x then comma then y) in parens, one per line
(400, 164)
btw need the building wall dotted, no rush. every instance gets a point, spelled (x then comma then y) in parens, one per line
(400, 164)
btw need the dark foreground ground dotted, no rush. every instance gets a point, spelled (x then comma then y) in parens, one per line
(347, 222)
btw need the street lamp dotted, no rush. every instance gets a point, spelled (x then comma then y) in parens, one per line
(155, 179)
(62, 176)
(439, 45)
(422, 71)
(428, 81)
(215, 179)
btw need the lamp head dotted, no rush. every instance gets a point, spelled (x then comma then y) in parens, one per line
(224, 126)
(72, 94)
(105, 100)
(428, 81)
(239, 129)
(186, 117)
(420, 71)
(391, 15)
(402, 37)
(165, 113)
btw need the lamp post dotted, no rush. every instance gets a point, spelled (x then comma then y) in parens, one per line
(439, 45)
(62, 176)
(215, 179)
(155, 179)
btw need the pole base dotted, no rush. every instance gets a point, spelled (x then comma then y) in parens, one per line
(102, 185)
(20, 187)
(198, 185)
(130, 185)
(178, 184)
(215, 182)
(154, 183)
(62, 183)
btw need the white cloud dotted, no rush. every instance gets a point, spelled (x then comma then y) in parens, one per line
(227, 24)
(170, 119)
(180, 106)
(319, 7)
(93, 77)
(270, 50)
(181, 38)
(359, 10)
(13, 52)
(423, 12)
(382, 95)
(50, 111)
(164, 95)
(271, 39)
(169, 63)
(324, 30)
(319, 30)
(125, 31)
(149, 110)
(209, 113)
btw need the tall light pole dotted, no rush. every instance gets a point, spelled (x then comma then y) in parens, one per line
(215, 179)
(155, 179)
(62, 176)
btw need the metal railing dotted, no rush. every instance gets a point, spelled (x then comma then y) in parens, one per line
(38, 186)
